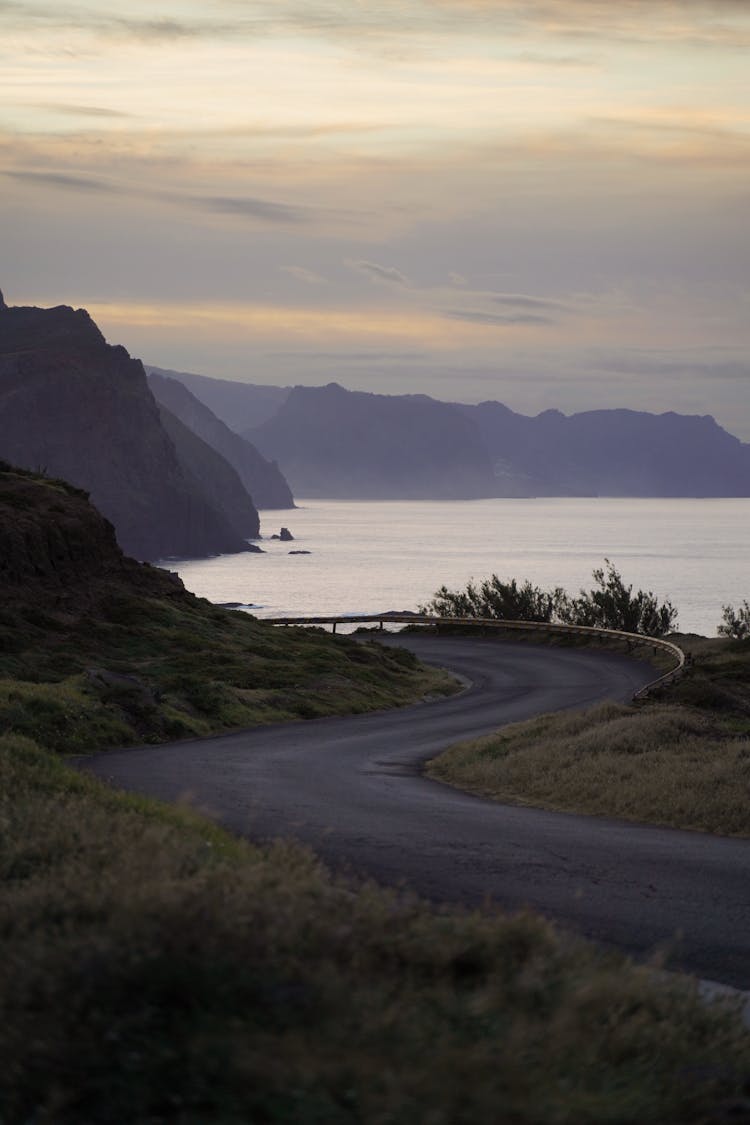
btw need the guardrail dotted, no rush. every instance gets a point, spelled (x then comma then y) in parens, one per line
(633, 640)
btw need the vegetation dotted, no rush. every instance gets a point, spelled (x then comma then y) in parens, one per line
(735, 622)
(609, 605)
(613, 605)
(499, 600)
(151, 668)
(683, 760)
(157, 970)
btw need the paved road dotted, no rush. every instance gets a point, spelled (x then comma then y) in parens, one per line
(351, 788)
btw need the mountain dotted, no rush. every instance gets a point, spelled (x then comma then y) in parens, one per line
(80, 409)
(613, 453)
(213, 476)
(338, 443)
(240, 406)
(262, 479)
(351, 445)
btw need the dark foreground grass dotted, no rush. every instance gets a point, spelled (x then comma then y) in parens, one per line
(682, 759)
(157, 970)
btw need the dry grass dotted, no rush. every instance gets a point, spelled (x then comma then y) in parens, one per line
(683, 760)
(156, 970)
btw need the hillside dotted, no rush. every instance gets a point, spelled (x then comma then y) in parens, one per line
(97, 649)
(350, 445)
(80, 409)
(262, 479)
(157, 969)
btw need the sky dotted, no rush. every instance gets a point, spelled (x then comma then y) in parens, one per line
(545, 202)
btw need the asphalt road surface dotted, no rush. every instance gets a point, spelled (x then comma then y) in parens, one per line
(351, 788)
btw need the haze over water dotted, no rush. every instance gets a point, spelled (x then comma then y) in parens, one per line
(371, 556)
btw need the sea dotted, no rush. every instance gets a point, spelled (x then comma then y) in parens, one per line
(374, 556)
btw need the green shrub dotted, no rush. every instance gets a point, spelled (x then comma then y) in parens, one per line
(735, 622)
(610, 605)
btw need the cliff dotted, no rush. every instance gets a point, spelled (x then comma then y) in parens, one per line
(240, 406)
(80, 409)
(350, 445)
(56, 547)
(213, 476)
(613, 453)
(262, 479)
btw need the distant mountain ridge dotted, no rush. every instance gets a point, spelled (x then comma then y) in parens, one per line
(614, 453)
(240, 406)
(262, 479)
(351, 445)
(81, 409)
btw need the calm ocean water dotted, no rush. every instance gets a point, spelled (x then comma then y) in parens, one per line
(369, 556)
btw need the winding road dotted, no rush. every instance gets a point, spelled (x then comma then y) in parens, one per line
(351, 788)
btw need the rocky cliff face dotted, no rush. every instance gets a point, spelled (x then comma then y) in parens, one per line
(261, 478)
(79, 409)
(213, 476)
(55, 546)
(349, 445)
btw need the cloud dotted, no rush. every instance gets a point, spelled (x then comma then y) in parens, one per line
(78, 110)
(355, 357)
(388, 275)
(248, 207)
(537, 58)
(404, 26)
(64, 180)
(474, 317)
(522, 301)
(303, 274)
(671, 365)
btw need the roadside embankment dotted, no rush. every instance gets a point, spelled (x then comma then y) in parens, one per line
(680, 759)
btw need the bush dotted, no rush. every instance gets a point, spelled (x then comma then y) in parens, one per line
(611, 605)
(735, 623)
(505, 601)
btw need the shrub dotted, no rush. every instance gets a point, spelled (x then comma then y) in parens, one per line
(610, 605)
(613, 605)
(499, 600)
(735, 623)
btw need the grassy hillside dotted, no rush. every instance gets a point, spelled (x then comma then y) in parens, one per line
(97, 650)
(156, 970)
(682, 759)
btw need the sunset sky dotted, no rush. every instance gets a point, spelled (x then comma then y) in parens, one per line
(542, 202)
